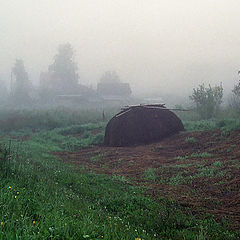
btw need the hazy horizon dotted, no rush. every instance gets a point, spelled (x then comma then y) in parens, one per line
(156, 46)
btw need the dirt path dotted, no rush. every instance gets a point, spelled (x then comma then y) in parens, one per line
(198, 169)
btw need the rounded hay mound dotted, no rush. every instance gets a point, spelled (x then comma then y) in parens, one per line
(141, 125)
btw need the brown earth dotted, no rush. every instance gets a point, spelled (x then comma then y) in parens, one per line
(200, 170)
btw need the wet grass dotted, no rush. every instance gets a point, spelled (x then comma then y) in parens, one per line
(225, 125)
(48, 119)
(43, 198)
(149, 174)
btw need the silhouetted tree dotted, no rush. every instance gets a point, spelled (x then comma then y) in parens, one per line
(64, 68)
(20, 86)
(207, 100)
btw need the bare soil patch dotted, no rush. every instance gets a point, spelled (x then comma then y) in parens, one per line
(200, 170)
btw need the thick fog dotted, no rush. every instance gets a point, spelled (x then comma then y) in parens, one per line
(155, 45)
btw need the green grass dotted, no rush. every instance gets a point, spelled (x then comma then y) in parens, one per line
(217, 164)
(191, 140)
(51, 200)
(97, 158)
(181, 175)
(231, 148)
(195, 155)
(63, 139)
(119, 178)
(68, 203)
(203, 125)
(56, 201)
(201, 155)
(38, 119)
(177, 179)
(149, 174)
(200, 125)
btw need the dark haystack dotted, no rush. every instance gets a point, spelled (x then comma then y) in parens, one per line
(141, 125)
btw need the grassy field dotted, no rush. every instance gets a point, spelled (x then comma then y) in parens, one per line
(43, 198)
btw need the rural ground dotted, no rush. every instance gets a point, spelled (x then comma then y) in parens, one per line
(197, 169)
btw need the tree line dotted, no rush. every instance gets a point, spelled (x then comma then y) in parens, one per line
(61, 78)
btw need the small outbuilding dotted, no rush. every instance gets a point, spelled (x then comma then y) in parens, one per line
(141, 124)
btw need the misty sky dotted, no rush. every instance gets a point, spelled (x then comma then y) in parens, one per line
(155, 45)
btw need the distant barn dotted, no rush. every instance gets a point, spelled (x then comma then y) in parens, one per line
(141, 124)
(114, 89)
(111, 85)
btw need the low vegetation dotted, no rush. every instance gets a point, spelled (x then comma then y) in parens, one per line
(203, 125)
(39, 119)
(43, 198)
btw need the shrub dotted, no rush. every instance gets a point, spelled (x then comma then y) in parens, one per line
(207, 100)
(234, 101)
